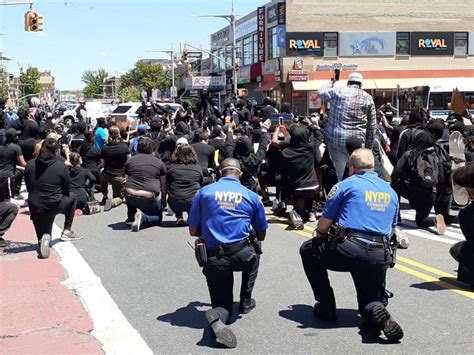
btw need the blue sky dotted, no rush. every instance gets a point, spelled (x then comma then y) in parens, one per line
(110, 34)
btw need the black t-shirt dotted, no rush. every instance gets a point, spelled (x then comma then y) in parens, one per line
(80, 178)
(115, 157)
(184, 180)
(30, 129)
(144, 171)
(218, 144)
(90, 156)
(8, 159)
(205, 154)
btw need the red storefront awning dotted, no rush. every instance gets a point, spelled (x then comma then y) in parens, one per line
(267, 86)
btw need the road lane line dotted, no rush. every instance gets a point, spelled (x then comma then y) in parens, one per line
(434, 280)
(424, 267)
(417, 233)
(406, 269)
(111, 327)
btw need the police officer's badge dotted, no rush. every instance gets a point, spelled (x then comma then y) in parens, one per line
(333, 192)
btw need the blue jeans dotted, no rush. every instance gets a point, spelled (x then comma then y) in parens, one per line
(152, 214)
(339, 157)
(179, 206)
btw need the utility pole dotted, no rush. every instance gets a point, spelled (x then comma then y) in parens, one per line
(231, 18)
(172, 56)
(15, 3)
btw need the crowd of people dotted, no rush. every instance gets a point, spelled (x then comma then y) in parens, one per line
(162, 165)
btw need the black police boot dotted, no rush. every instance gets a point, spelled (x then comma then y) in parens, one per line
(246, 305)
(325, 312)
(381, 319)
(223, 333)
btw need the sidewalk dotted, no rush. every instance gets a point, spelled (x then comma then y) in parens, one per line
(37, 313)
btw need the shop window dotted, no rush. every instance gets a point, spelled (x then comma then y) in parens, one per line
(460, 43)
(247, 51)
(255, 48)
(330, 44)
(403, 43)
(273, 50)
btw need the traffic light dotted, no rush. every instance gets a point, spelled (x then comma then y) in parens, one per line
(184, 56)
(237, 64)
(33, 22)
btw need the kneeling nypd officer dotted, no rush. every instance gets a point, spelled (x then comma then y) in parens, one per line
(222, 217)
(353, 235)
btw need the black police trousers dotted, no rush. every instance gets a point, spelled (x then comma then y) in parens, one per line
(220, 278)
(368, 268)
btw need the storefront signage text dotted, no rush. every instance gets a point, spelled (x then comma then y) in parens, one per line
(366, 44)
(298, 75)
(272, 13)
(222, 35)
(304, 43)
(328, 67)
(245, 28)
(207, 82)
(261, 33)
(432, 43)
(281, 13)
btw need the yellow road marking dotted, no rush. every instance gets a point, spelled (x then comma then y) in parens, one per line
(434, 280)
(403, 268)
(424, 267)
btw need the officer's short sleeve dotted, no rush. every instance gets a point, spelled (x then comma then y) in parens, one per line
(259, 221)
(194, 217)
(333, 203)
(395, 217)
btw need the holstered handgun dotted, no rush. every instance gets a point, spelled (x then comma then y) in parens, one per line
(336, 234)
(200, 252)
(393, 246)
(254, 242)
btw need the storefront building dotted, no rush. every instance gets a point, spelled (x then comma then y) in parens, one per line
(296, 44)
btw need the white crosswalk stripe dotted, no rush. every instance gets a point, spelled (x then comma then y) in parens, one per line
(452, 235)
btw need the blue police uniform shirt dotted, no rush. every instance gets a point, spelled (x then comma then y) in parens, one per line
(224, 211)
(363, 202)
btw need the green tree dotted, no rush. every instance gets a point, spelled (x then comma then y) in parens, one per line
(29, 82)
(3, 83)
(129, 94)
(147, 77)
(95, 81)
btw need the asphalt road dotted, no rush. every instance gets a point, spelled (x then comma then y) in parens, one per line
(153, 277)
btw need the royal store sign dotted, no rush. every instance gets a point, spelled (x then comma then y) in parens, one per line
(305, 43)
(298, 75)
(432, 43)
(261, 33)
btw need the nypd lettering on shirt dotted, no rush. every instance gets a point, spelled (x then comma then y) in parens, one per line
(228, 200)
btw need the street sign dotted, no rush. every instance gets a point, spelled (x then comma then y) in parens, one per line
(206, 82)
(174, 91)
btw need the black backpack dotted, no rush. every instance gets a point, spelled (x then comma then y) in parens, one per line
(425, 167)
(445, 164)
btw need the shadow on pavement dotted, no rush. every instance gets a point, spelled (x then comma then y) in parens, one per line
(303, 314)
(19, 247)
(443, 283)
(371, 335)
(172, 224)
(119, 226)
(189, 316)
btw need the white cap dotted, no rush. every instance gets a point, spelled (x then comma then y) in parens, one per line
(182, 140)
(356, 77)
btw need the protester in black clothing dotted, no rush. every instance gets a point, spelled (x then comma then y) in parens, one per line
(30, 135)
(242, 149)
(145, 189)
(184, 179)
(11, 156)
(90, 156)
(268, 109)
(113, 158)
(81, 112)
(416, 124)
(298, 173)
(463, 252)
(47, 181)
(79, 137)
(81, 180)
(405, 182)
(205, 155)
(243, 112)
(8, 212)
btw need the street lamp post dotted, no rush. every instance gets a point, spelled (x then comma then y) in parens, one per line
(231, 18)
(172, 56)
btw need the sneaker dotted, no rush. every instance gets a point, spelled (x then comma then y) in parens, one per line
(68, 235)
(327, 313)
(108, 204)
(382, 319)
(223, 333)
(296, 220)
(246, 305)
(137, 222)
(440, 225)
(179, 221)
(45, 244)
(311, 217)
(280, 210)
(169, 212)
(4, 243)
